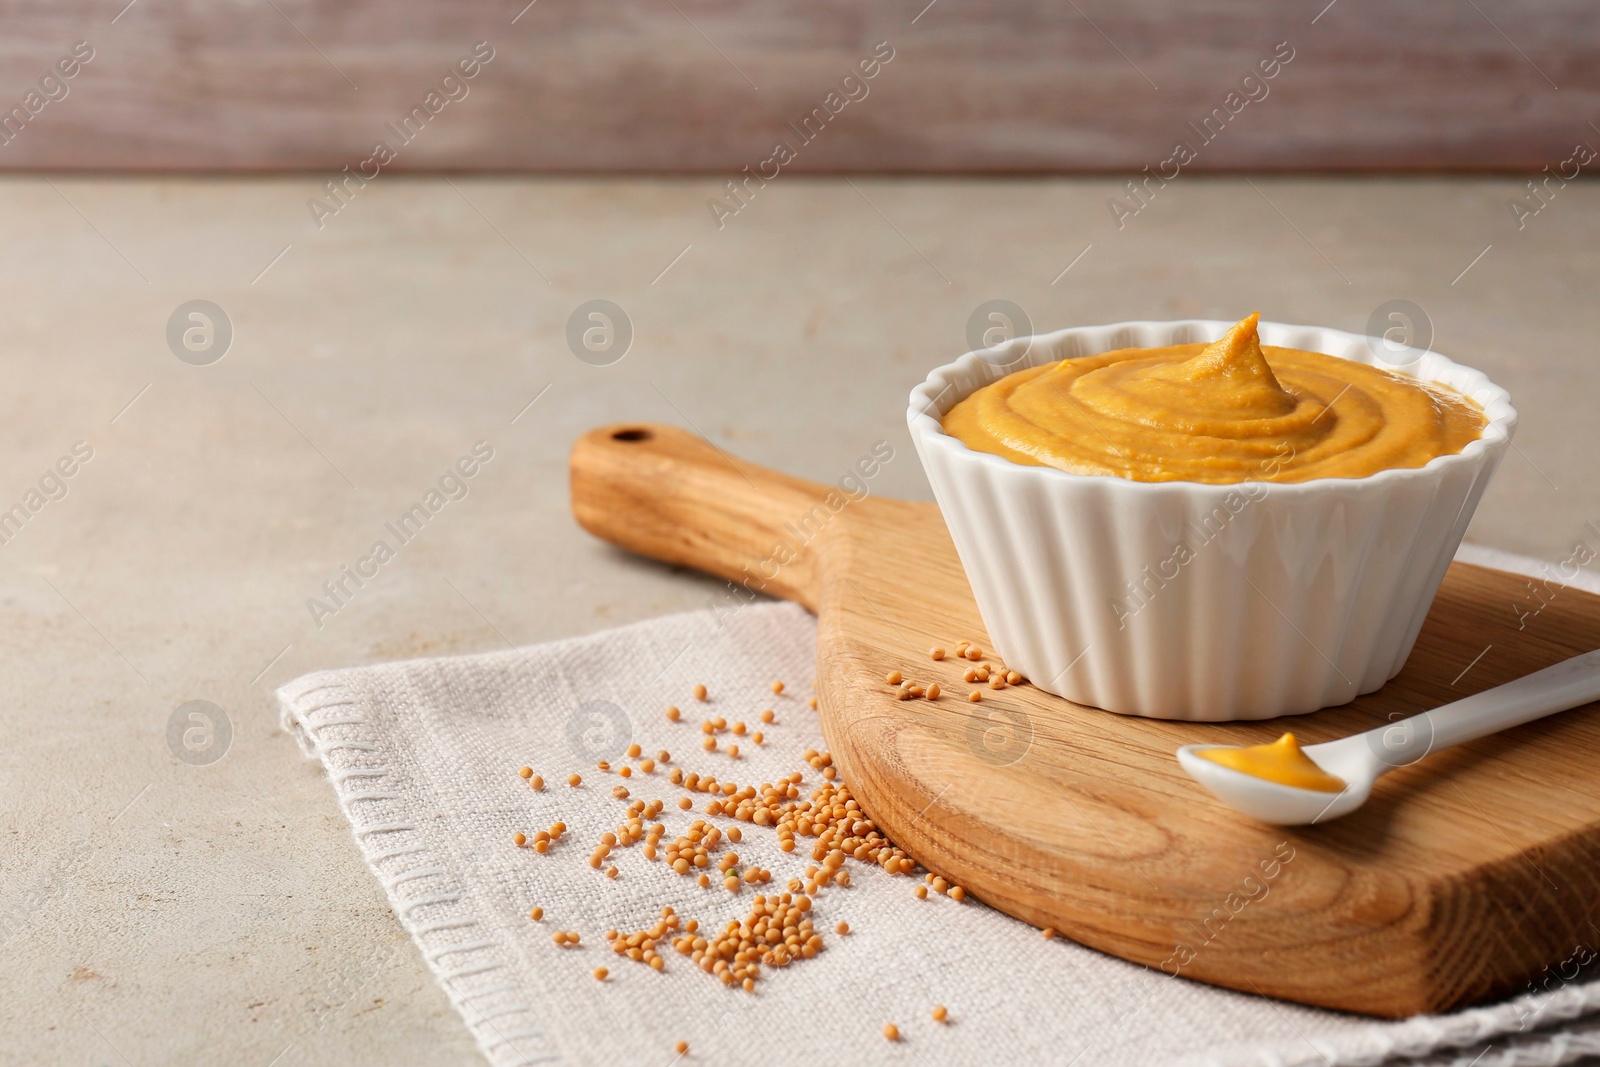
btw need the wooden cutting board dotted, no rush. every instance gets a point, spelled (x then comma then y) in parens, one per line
(1461, 879)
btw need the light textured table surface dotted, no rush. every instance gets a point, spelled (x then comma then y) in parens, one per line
(160, 909)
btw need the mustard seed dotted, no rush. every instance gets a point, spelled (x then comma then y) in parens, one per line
(933, 690)
(940, 1013)
(700, 692)
(648, 766)
(709, 744)
(1013, 678)
(1048, 933)
(519, 839)
(813, 703)
(975, 696)
(768, 715)
(936, 653)
(921, 892)
(536, 782)
(526, 772)
(574, 780)
(611, 872)
(673, 714)
(735, 834)
(733, 751)
(758, 738)
(842, 929)
(893, 677)
(536, 913)
(777, 687)
(891, 1031)
(620, 792)
(957, 894)
(634, 751)
(685, 803)
(600, 973)
(681, 1048)
(626, 772)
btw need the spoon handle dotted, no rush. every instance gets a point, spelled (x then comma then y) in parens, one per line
(1559, 687)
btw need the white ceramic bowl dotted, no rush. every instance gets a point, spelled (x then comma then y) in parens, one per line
(1290, 597)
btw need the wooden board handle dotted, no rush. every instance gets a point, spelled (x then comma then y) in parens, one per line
(667, 494)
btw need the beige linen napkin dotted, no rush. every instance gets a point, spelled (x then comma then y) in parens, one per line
(424, 757)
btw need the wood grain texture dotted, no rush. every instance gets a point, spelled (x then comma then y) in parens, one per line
(711, 85)
(1461, 878)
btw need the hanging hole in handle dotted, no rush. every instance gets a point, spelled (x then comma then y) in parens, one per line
(632, 435)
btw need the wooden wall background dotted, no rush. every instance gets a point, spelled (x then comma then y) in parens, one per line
(708, 85)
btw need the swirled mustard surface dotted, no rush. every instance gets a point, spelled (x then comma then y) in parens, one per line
(1283, 761)
(1226, 412)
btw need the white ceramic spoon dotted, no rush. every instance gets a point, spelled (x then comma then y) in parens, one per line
(1362, 758)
